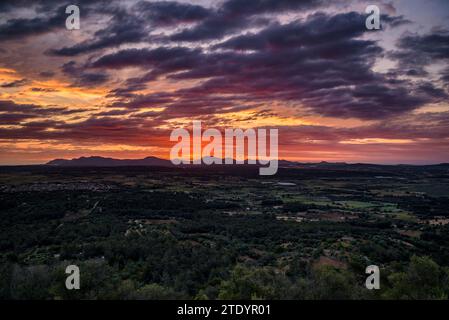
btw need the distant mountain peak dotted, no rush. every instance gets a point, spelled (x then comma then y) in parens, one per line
(98, 161)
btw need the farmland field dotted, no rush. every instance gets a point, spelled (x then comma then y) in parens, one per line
(155, 233)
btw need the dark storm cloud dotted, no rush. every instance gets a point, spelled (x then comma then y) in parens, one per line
(161, 61)
(14, 118)
(135, 24)
(113, 112)
(234, 15)
(320, 62)
(417, 126)
(369, 101)
(44, 5)
(167, 58)
(320, 28)
(241, 7)
(435, 45)
(91, 79)
(36, 89)
(49, 16)
(164, 13)
(94, 129)
(12, 107)
(14, 29)
(15, 84)
(419, 51)
(123, 28)
(431, 90)
(216, 27)
(394, 21)
(12, 113)
(445, 77)
(132, 85)
(47, 74)
(82, 78)
(145, 101)
(31, 130)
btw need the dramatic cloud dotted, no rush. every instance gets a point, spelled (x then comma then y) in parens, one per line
(136, 24)
(124, 28)
(82, 78)
(165, 13)
(15, 83)
(12, 113)
(136, 69)
(319, 62)
(419, 51)
(237, 14)
(15, 29)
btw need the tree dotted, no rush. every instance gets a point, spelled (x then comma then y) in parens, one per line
(329, 283)
(256, 283)
(423, 279)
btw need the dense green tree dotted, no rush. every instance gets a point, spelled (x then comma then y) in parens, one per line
(422, 279)
(255, 283)
(328, 283)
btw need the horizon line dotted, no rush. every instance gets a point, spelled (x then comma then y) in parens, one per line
(293, 161)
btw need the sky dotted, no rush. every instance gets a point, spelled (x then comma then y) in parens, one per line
(136, 70)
